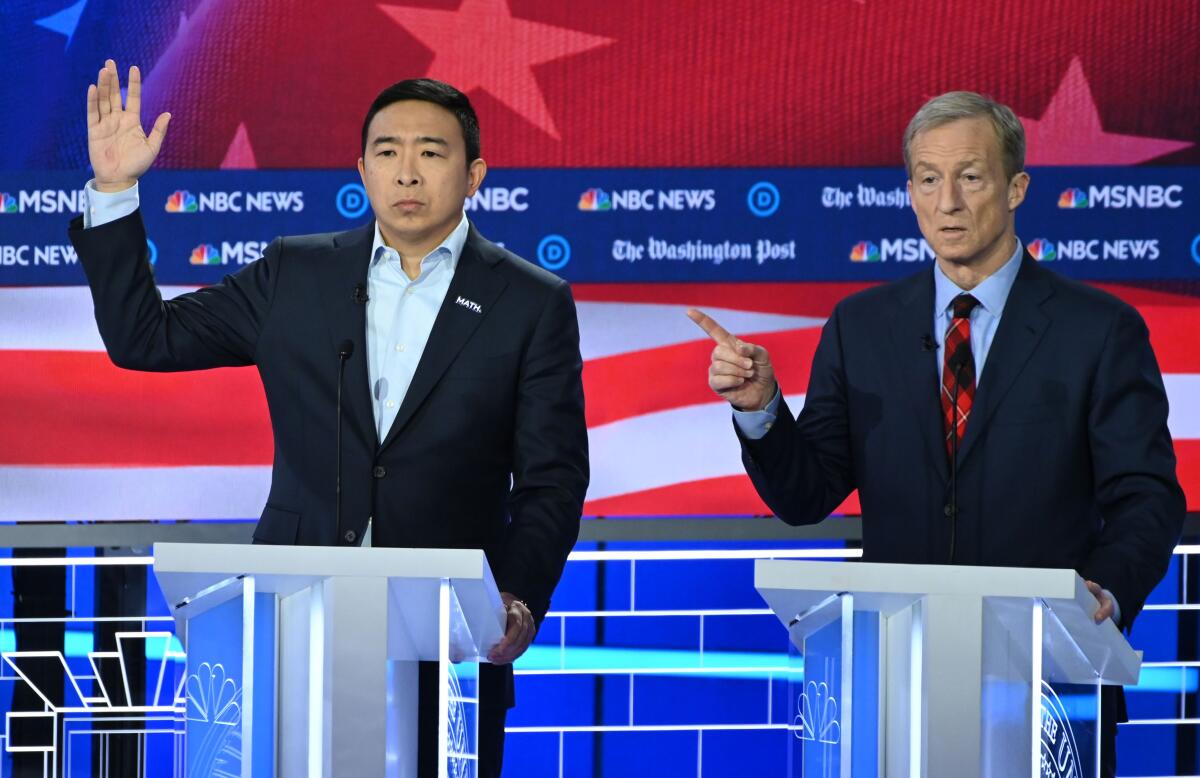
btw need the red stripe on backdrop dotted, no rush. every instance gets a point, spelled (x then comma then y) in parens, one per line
(1173, 334)
(1188, 470)
(660, 379)
(1139, 296)
(77, 408)
(795, 299)
(728, 496)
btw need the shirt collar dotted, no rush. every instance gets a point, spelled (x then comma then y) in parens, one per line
(992, 293)
(451, 247)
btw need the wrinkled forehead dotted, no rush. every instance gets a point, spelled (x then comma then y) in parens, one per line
(956, 142)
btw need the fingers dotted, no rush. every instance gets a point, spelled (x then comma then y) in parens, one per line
(158, 132)
(93, 107)
(755, 353)
(1105, 611)
(710, 326)
(103, 106)
(725, 355)
(724, 383)
(133, 98)
(519, 633)
(114, 87)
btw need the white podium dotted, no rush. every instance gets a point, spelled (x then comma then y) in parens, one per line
(302, 660)
(937, 670)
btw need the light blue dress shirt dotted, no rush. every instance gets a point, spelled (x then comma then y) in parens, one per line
(104, 207)
(992, 294)
(400, 316)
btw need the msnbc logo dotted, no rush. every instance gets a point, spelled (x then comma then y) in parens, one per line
(8, 203)
(1072, 198)
(595, 200)
(205, 254)
(1042, 250)
(864, 251)
(182, 201)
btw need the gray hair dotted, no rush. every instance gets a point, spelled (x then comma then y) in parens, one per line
(952, 106)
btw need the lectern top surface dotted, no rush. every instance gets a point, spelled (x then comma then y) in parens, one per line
(319, 561)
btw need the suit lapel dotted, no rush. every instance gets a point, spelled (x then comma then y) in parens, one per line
(917, 366)
(475, 281)
(346, 268)
(1022, 325)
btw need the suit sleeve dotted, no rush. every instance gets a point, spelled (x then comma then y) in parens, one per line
(1133, 464)
(217, 326)
(550, 458)
(802, 468)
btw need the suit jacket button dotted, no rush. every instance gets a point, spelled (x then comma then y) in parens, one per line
(350, 536)
(379, 472)
(948, 510)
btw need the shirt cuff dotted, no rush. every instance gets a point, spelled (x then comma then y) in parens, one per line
(755, 424)
(100, 208)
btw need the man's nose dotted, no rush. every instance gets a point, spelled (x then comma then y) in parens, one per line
(949, 197)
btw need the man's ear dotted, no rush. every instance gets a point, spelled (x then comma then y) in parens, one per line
(476, 172)
(1017, 188)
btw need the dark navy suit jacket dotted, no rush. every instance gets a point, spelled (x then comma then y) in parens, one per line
(489, 448)
(1066, 460)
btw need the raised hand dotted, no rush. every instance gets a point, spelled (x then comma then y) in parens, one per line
(119, 150)
(740, 372)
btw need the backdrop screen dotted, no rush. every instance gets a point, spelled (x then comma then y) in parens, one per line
(742, 158)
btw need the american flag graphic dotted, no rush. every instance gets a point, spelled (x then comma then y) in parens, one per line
(623, 83)
(83, 439)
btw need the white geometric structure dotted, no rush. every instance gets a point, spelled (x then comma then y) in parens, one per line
(303, 660)
(939, 670)
(108, 711)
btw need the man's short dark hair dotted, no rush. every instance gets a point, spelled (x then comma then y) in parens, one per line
(430, 91)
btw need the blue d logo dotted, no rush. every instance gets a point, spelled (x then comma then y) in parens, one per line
(763, 199)
(554, 252)
(352, 201)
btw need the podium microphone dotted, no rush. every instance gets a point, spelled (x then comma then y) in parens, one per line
(345, 351)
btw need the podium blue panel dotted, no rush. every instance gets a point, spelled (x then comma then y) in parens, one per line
(221, 715)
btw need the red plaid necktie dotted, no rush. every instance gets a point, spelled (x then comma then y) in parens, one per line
(958, 367)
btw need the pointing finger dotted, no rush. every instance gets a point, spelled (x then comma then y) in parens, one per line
(710, 326)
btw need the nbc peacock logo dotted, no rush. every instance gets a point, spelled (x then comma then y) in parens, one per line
(182, 201)
(1072, 198)
(8, 203)
(864, 251)
(595, 199)
(205, 254)
(1042, 250)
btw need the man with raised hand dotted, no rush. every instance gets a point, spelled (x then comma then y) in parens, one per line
(987, 410)
(463, 422)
